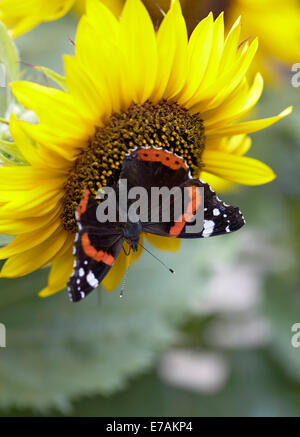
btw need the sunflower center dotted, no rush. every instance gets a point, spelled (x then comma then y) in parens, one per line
(165, 125)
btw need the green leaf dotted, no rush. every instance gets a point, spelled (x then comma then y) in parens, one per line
(282, 305)
(11, 149)
(57, 350)
(8, 160)
(9, 56)
(256, 387)
(57, 78)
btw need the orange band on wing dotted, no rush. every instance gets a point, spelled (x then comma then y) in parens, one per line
(177, 228)
(93, 253)
(193, 205)
(83, 203)
(166, 158)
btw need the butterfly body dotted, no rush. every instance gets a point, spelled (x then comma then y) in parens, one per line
(131, 233)
(97, 245)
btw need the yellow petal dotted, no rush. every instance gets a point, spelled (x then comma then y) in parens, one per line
(35, 258)
(236, 106)
(15, 226)
(248, 126)
(219, 90)
(238, 169)
(199, 50)
(97, 38)
(212, 69)
(101, 17)
(21, 16)
(172, 42)
(54, 107)
(26, 178)
(24, 25)
(138, 40)
(92, 95)
(52, 143)
(163, 243)
(212, 95)
(28, 240)
(34, 203)
(114, 277)
(61, 270)
(218, 184)
(56, 9)
(114, 5)
(27, 148)
(239, 145)
(231, 46)
(94, 48)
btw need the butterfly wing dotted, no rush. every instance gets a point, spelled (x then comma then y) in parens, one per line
(96, 248)
(97, 245)
(152, 167)
(218, 217)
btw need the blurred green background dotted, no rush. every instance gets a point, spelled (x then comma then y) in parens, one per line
(213, 341)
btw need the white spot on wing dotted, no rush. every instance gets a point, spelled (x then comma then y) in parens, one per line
(216, 212)
(81, 272)
(91, 280)
(208, 228)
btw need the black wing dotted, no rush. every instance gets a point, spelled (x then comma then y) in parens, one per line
(218, 217)
(149, 167)
(152, 167)
(96, 248)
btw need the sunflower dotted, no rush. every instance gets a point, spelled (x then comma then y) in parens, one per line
(274, 22)
(114, 5)
(21, 16)
(126, 86)
(277, 24)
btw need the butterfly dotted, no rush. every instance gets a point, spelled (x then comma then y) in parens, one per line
(98, 244)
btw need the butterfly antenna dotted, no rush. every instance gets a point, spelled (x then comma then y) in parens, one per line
(159, 260)
(125, 278)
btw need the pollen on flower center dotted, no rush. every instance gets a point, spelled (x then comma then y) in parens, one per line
(165, 125)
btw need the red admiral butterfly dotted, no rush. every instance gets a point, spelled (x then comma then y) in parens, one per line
(97, 245)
